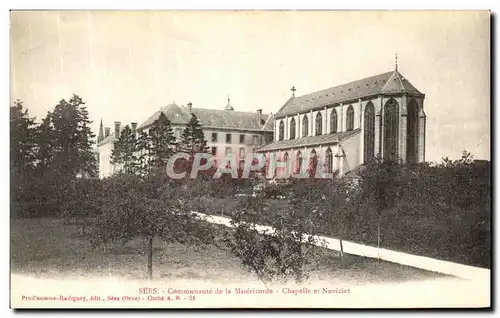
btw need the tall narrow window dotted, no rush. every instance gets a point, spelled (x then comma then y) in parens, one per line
(369, 132)
(298, 162)
(333, 121)
(391, 130)
(292, 128)
(305, 126)
(285, 159)
(281, 132)
(412, 132)
(313, 163)
(329, 160)
(319, 124)
(350, 118)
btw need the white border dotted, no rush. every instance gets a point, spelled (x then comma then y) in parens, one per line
(186, 4)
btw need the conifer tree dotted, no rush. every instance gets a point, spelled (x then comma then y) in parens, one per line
(143, 149)
(125, 151)
(72, 140)
(22, 150)
(192, 138)
(162, 143)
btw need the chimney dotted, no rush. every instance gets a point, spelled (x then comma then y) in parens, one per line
(107, 130)
(259, 115)
(117, 129)
(190, 107)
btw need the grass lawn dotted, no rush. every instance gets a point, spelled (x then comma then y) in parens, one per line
(49, 248)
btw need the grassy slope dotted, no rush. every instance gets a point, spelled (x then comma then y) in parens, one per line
(49, 248)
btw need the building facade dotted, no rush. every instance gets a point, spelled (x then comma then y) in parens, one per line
(345, 126)
(227, 132)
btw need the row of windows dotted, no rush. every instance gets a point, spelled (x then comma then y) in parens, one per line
(390, 143)
(319, 124)
(229, 150)
(328, 163)
(256, 140)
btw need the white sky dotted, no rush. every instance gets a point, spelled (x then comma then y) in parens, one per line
(126, 65)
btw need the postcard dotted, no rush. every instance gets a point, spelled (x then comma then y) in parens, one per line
(250, 159)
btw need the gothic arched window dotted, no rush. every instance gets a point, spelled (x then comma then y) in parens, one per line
(313, 162)
(391, 130)
(350, 118)
(285, 159)
(298, 162)
(333, 121)
(319, 124)
(369, 132)
(305, 126)
(329, 160)
(412, 132)
(292, 128)
(281, 132)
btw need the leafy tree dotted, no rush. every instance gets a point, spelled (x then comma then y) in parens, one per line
(288, 252)
(125, 151)
(148, 208)
(162, 143)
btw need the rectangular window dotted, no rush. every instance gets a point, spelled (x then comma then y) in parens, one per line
(242, 139)
(242, 152)
(214, 137)
(214, 151)
(255, 140)
(178, 133)
(229, 151)
(228, 139)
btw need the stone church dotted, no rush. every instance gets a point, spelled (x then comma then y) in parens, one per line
(345, 126)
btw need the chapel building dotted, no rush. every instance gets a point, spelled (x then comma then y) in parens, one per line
(346, 126)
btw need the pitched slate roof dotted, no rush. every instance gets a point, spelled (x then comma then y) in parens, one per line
(269, 124)
(309, 141)
(211, 118)
(386, 83)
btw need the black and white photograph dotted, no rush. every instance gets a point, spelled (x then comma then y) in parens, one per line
(250, 159)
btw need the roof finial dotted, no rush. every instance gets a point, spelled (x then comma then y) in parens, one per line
(293, 89)
(396, 60)
(228, 106)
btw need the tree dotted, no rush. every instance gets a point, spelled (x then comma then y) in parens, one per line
(63, 155)
(22, 154)
(288, 251)
(148, 208)
(192, 138)
(22, 138)
(73, 140)
(162, 143)
(143, 150)
(125, 151)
